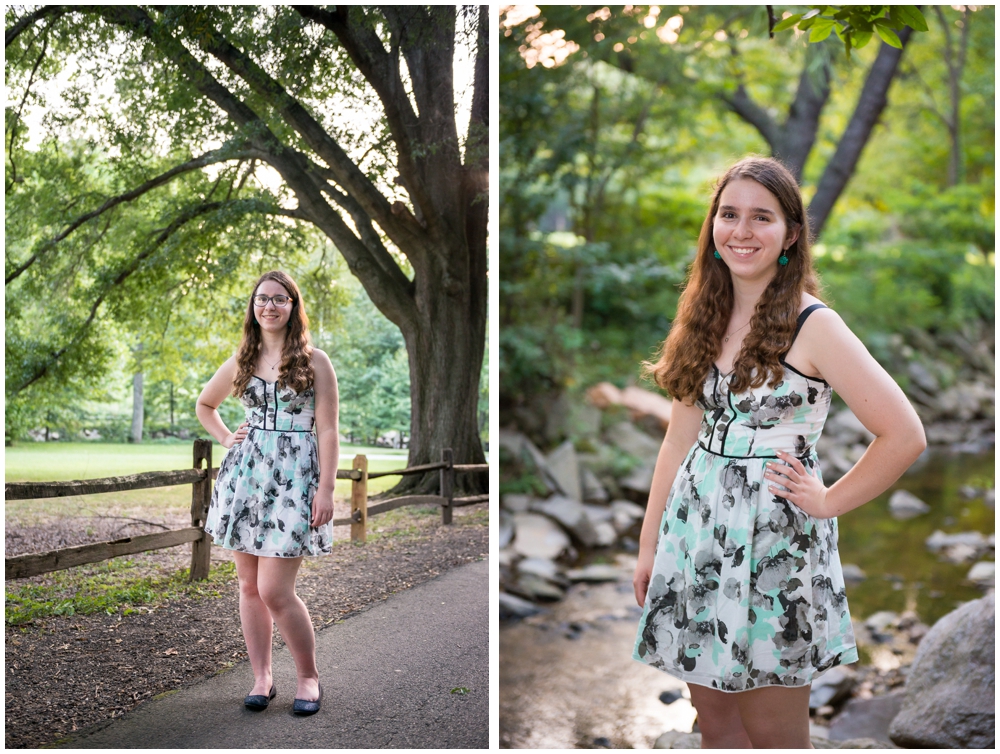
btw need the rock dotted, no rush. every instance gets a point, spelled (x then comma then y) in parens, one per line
(565, 470)
(832, 687)
(944, 433)
(538, 536)
(514, 607)
(596, 572)
(571, 514)
(516, 503)
(527, 454)
(638, 481)
(922, 377)
(675, 739)
(989, 498)
(939, 540)
(959, 554)
(879, 623)
(950, 690)
(866, 718)
(625, 513)
(593, 490)
(968, 492)
(598, 513)
(853, 573)
(606, 534)
(506, 529)
(506, 557)
(983, 573)
(845, 424)
(541, 567)
(537, 587)
(627, 437)
(904, 505)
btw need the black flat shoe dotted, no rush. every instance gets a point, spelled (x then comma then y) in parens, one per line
(306, 707)
(258, 702)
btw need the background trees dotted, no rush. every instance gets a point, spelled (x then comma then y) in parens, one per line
(609, 141)
(197, 144)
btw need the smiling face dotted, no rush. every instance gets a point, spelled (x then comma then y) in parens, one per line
(270, 317)
(750, 230)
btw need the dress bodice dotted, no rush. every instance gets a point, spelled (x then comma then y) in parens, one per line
(759, 421)
(281, 409)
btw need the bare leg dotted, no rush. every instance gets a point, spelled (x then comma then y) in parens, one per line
(776, 717)
(256, 622)
(276, 583)
(719, 719)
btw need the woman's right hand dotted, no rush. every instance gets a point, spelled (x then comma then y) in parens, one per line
(643, 573)
(236, 437)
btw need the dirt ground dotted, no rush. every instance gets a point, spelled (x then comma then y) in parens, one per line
(67, 673)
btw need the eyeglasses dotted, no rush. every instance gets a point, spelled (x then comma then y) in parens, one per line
(279, 300)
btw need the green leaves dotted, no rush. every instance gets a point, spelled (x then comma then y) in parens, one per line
(855, 24)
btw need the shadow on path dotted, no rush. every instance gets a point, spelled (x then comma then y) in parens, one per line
(388, 674)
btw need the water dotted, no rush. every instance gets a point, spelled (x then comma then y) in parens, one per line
(567, 679)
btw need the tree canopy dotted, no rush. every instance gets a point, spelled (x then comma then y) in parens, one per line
(613, 123)
(192, 147)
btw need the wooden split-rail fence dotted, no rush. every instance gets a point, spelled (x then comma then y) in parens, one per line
(200, 478)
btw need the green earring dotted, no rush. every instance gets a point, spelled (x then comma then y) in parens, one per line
(718, 255)
(782, 260)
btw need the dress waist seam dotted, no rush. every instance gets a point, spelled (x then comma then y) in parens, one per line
(299, 431)
(809, 453)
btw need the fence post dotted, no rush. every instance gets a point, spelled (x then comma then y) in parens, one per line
(201, 496)
(447, 477)
(359, 500)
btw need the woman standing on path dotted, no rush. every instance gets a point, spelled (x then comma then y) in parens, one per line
(738, 569)
(273, 500)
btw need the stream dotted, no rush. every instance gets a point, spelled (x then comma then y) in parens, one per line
(567, 679)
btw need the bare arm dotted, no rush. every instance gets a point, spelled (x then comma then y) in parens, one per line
(212, 396)
(327, 435)
(682, 434)
(842, 359)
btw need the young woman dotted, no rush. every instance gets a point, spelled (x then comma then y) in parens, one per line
(738, 570)
(273, 500)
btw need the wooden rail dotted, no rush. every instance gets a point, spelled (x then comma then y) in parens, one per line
(200, 478)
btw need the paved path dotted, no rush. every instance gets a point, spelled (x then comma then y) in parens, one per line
(387, 678)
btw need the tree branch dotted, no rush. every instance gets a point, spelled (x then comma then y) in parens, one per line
(215, 156)
(15, 31)
(348, 175)
(381, 70)
(743, 105)
(20, 109)
(290, 164)
(123, 274)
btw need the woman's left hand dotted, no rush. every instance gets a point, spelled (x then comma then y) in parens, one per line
(322, 508)
(801, 487)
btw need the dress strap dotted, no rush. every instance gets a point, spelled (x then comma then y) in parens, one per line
(803, 316)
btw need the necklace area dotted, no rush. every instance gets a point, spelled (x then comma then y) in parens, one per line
(726, 339)
(269, 363)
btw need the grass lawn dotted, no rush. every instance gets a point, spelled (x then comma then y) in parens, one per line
(59, 461)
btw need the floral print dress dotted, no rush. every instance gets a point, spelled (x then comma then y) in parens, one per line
(262, 501)
(746, 588)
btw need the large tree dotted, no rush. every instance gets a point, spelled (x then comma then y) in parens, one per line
(354, 108)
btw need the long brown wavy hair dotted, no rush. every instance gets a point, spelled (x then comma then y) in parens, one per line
(695, 339)
(296, 355)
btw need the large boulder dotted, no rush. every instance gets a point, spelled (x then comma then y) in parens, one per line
(537, 536)
(950, 691)
(572, 514)
(565, 470)
(629, 438)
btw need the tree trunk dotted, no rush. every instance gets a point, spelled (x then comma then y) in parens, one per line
(871, 103)
(445, 349)
(136, 435)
